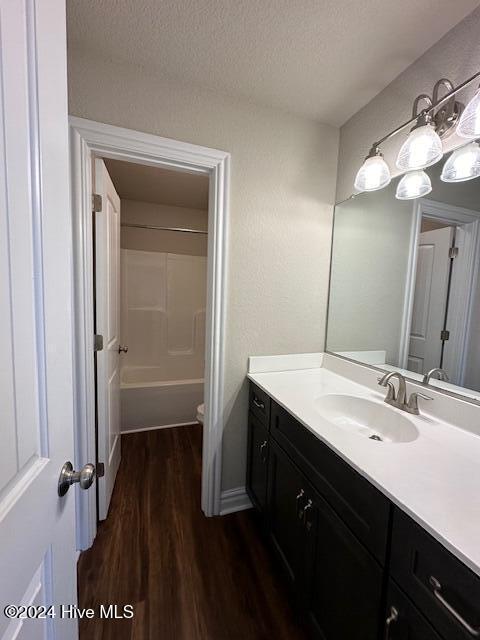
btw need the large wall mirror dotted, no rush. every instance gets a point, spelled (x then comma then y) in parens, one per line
(404, 289)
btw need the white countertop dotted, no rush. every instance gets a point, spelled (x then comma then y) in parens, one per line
(435, 478)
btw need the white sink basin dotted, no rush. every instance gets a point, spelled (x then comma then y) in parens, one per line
(366, 418)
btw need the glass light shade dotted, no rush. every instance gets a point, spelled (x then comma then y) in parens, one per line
(469, 123)
(422, 148)
(463, 164)
(414, 184)
(373, 174)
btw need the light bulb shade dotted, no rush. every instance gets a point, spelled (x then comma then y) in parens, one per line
(469, 123)
(463, 164)
(421, 149)
(414, 184)
(373, 174)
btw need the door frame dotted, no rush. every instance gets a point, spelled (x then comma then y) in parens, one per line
(464, 279)
(89, 139)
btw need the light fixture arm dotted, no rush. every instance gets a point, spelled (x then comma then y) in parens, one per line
(418, 99)
(443, 82)
(435, 104)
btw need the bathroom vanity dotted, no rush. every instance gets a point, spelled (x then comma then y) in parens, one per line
(373, 541)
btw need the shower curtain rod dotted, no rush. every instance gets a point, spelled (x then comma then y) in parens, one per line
(155, 228)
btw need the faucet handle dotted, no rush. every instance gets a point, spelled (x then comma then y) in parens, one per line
(412, 406)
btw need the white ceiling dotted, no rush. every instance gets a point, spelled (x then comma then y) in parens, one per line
(320, 58)
(161, 186)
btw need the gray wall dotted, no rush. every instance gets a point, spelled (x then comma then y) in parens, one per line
(282, 194)
(456, 56)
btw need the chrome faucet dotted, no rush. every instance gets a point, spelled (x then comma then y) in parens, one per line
(441, 374)
(396, 400)
(399, 400)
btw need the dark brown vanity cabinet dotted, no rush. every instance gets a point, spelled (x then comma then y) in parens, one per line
(289, 504)
(403, 621)
(257, 462)
(359, 567)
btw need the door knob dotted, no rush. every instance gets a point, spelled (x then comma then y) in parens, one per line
(68, 476)
(122, 348)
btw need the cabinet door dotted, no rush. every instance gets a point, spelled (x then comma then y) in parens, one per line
(403, 621)
(346, 581)
(287, 499)
(257, 463)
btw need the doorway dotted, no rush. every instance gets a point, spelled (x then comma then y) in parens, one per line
(441, 300)
(90, 140)
(151, 240)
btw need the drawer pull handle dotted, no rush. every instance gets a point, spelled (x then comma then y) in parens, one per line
(392, 617)
(258, 404)
(263, 451)
(437, 588)
(300, 495)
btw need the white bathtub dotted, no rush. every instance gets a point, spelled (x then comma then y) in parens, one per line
(148, 402)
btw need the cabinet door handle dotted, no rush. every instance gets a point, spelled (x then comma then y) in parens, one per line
(257, 403)
(299, 511)
(306, 509)
(437, 588)
(263, 451)
(392, 617)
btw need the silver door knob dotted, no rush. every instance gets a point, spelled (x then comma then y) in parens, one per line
(68, 476)
(122, 348)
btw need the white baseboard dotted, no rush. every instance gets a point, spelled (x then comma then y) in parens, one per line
(162, 426)
(234, 500)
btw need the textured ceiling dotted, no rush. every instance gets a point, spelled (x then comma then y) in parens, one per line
(319, 58)
(161, 186)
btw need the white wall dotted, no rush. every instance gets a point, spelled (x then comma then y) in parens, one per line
(282, 190)
(456, 57)
(147, 213)
(370, 255)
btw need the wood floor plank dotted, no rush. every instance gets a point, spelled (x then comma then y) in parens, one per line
(188, 577)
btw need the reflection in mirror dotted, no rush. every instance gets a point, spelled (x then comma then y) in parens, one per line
(403, 290)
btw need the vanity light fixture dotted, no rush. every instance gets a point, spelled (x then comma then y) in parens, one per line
(463, 164)
(469, 125)
(414, 184)
(374, 173)
(423, 147)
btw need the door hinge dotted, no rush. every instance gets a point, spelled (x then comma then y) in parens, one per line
(100, 469)
(453, 252)
(445, 335)
(96, 202)
(98, 342)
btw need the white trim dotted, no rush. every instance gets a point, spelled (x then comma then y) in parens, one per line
(161, 426)
(464, 278)
(409, 287)
(89, 138)
(234, 500)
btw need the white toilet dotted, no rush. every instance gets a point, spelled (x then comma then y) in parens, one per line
(200, 412)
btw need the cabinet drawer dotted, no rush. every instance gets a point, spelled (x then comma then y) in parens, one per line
(360, 505)
(259, 403)
(403, 621)
(442, 587)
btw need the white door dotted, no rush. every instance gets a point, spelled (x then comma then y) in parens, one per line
(37, 534)
(107, 323)
(430, 299)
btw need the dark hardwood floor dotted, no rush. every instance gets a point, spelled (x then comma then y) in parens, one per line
(187, 576)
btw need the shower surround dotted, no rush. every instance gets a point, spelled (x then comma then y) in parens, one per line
(163, 302)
